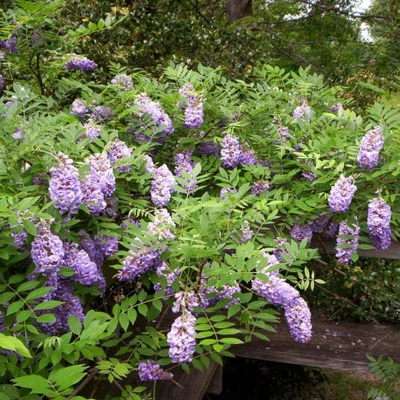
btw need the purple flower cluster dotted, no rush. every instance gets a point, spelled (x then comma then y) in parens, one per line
(185, 301)
(101, 173)
(162, 186)
(281, 243)
(280, 293)
(193, 107)
(141, 261)
(149, 164)
(102, 114)
(118, 151)
(86, 271)
(184, 164)
(321, 223)
(310, 176)
(18, 134)
(181, 338)
(123, 80)
(224, 192)
(108, 244)
(300, 232)
(341, 195)
(370, 146)
(378, 221)
(298, 317)
(92, 131)
(331, 230)
(79, 63)
(160, 118)
(64, 186)
(161, 225)
(10, 45)
(351, 244)
(208, 149)
(339, 109)
(93, 196)
(164, 270)
(233, 154)
(301, 111)
(47, 251)
(245, 232)
(93, 248)
(79, 109)
(259, 187)
(283, 133)
(150, 371)
(19, 238)
(2, 83)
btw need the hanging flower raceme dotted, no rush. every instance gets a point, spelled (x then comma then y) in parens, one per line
(123, 80)
(92, 131)
(102, 114)
(2, 83)
(184, 164)
(64, 186)
(370, 146)
(224, 192)
(161, 225)
(149, 164)
(298, 318)
(181, 338)
(246, 232)
(162, 186)
(302, 111)
(160, 118)
(342, 194)
(379, 215)
(163, 270)
(101, 173)
(47, 251)
(208, 149)
(79, 109)
(350, 243)
(151, 371)
(193, 106)
(321, 223)
(79, 63)
(118, 151)
(300, 232)
(259, 187)
(230, 151)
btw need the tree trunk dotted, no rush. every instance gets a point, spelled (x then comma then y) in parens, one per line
(237, 9)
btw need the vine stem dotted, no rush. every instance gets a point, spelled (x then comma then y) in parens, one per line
(91, 375)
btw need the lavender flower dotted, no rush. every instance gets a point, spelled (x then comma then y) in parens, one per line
(259, 187)
(351, 244)
(161, 225)
(224, 192)
(321, 223)
(281, 244)
(339, 109)
(79, 109)
(143, 260)
(188, 92)
(93, 248)
(230, 152)
(101, 173)
(194, 116)
(149, 164)
(150, 371)
(79, 63)
(341, 195)
(379, 215)
(18, 134)
(183, 164)
(47, 251)
(227, 292)
(102, 114)
(93, 195)
(118, 151)
(92, 131)
(162, 186)
(246, 232)
(185, 301)
(64, 186)
(20, 238)
(109, 244)
(298, 317)
(331, 229)
(247, 156)
(301, 111)
(283, 133)
(123, 80)
(160, 118)
(2, 83)
(86, 271)
(181, 338)
(208, 149)
(310, 176)
(10, 45)
(370, 146)
(300, 232)
(164, 270)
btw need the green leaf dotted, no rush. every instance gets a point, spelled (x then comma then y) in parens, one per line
(30, 227)
(12, 343)
(69, 376)
(132, 315)
(24, 315)
(229, 331)
(48, 305)
(14, 307)
(35, 382)
(124, 321)
(6, 297)
(39, 293)
(231, 341)
(75, 324)
(204, 334)
(46, 319)
(27, 286)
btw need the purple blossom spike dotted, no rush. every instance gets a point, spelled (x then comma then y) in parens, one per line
(208, 149)
(123, 80)
(181, 338)
(79, 109)
(149, 164)
(344, 254)
(224, 192)
(10, 45)
(184, 164)
(310, 176)
(331, 230)
(143, 260)
(283, 133)
(18, 134)
(259, 187)
(298, 317)
(164, 270)
(379, 215)
(300, 232)
(86, 271)
(47, 251)
(185, 301)
(109, 244)
(370, 146)
(281, 244)
(161, 225)
(230, 151)
(341, 195)
(101, 173)
(64, 186)
(92, 195)
(227, 292)
(321, 223)
(102, 114)
(247, 156)
(2, 83)
(93, 247)
(162, 186)
(92, 131)
(188, 92)
(302, 111)
(246, 232)
(194, 116)
(150, 371)
(79, 63)
(118, 151)
(160, 118)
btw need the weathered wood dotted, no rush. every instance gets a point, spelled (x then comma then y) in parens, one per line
(216, 383)
(342, 346)
(393, 252)
(191, 386)
(237, 9)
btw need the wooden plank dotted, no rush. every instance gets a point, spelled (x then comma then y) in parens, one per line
(191, 386)
(216, 383)
(393, 252)
(341, 346)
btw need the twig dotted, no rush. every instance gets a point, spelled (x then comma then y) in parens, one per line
(84, 383)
